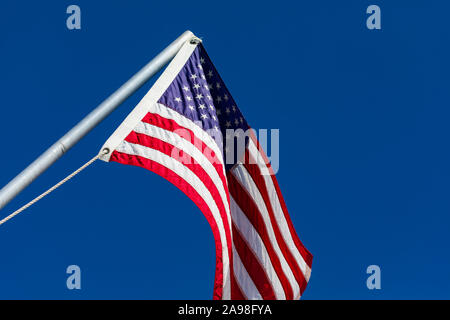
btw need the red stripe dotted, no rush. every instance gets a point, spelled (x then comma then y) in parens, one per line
(253, 266)
(250, 209)
(307, 256)
(255, 172)
(185, 187)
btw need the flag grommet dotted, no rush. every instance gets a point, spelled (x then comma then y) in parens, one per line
(195, 40)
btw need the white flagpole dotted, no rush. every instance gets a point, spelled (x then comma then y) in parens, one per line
(57, 150)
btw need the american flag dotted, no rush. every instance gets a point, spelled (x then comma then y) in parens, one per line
(177, 131)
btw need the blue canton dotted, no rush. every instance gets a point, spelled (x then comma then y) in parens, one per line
(198, 93)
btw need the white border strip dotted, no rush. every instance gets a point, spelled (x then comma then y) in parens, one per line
(152, 96)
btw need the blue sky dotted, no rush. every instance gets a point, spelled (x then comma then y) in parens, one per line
(364, 158)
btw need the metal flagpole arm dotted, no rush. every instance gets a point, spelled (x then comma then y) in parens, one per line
(57, 150)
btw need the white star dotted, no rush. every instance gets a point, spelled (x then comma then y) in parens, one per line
(214, 117)
(242, 119)
(228, 124)
(210, 73)
(202, 60)
(227, 110)
(202, 106)
(191, 107)
(211, 107)
(218, 86)
(219, 99)
(210, 86)
(216, 128)
(204, 116)
(196, 86)
(225, 97)
(200, 67)
(185, 88)
(236, 121)
(199, 96)
(193, 76)
(205, 86)
(234, 108)
(218, 112)
(203, 77)
(189, 98)
(178, 99)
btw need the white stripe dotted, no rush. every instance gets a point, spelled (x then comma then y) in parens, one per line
(256, 244)
(246, 283)
(278, 212)
(194, 156)
(247, 182)
(197, 184)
